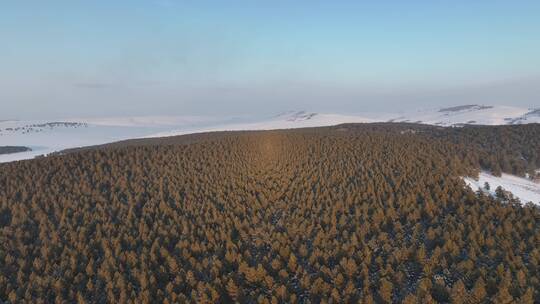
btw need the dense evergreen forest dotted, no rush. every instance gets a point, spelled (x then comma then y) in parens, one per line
(356, 213)
(13, 149)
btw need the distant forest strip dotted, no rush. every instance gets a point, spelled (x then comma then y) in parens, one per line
(13, 149)
(370, 213)
(512, 148)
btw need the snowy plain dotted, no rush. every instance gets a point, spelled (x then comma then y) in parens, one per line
(524, 189)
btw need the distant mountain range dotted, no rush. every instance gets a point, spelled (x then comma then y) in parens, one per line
(44, 137)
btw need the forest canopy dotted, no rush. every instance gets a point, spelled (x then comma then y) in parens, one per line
(369, 213)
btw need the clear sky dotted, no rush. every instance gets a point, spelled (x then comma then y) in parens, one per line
(66, 58)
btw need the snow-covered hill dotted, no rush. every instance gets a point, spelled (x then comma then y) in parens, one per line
(44, 137)
(472, 115)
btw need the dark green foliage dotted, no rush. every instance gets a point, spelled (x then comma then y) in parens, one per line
(13, 149)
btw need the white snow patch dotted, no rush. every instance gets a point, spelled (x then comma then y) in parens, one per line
(524, 189)
(145, 121)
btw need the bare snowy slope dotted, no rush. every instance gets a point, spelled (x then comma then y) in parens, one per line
(522, 188)
(472, 115)
(44, 137)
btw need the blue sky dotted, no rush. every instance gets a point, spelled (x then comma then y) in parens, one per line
(64, 58)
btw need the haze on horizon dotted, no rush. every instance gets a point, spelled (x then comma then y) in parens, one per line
(94, 58)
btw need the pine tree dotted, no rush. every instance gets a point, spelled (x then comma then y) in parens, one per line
(458, 294)
(527, 297)
(410, 299)
(233, 290)
(478, 293)
(503, 296)
(386, 290)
